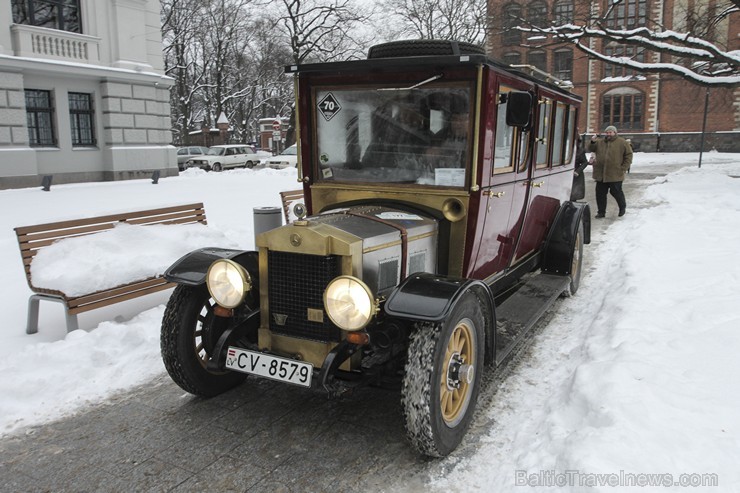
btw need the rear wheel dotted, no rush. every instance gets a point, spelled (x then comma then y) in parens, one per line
(442, 378)
(576, 264)
(217, 167)
(249, 165)
(190, 330)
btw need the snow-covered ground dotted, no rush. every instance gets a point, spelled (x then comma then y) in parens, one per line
(634, 378)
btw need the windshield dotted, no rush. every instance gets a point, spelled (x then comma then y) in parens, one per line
(290, 151)
(388, 135)
(216, 151)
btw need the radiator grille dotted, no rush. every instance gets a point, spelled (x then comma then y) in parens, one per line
(296, 285)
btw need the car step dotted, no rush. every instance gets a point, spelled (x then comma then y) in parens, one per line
(521, 311)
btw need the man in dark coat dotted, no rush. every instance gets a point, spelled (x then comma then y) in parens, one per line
(613, 160)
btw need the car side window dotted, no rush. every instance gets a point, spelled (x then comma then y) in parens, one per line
(504, 143)
(182, 152)
(195, 150)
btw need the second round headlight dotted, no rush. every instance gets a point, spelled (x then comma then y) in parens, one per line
(228, 283)
(349, 303)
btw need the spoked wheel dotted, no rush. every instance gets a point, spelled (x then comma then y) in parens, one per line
(576, 263)
(190, 330)
(442, 378)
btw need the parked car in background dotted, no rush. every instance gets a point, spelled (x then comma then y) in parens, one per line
(286, 159)
(185, 153)
(223, 157)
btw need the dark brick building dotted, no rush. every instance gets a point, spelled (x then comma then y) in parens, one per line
(658, 112)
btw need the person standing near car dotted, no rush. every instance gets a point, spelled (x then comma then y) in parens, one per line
(613, 159)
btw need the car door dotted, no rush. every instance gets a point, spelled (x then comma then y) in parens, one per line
(505, 188)
(232, 157)
(543, 183)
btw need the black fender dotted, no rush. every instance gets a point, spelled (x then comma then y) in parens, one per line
(424, 297)
(558, 249)
(191, 268)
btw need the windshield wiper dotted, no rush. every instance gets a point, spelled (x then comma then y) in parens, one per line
(430, 79)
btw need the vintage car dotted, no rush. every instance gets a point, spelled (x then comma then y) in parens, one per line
(436, 230)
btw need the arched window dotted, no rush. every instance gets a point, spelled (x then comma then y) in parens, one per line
(562, 62)
(512, 18)
(537, 13)
(623, 107)
(513, 58)
(562, 12)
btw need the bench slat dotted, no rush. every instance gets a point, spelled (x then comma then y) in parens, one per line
(102, 219)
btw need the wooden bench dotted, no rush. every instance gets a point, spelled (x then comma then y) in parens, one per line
(288, 198)
(31, 239)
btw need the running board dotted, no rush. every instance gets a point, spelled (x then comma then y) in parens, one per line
(522, 310)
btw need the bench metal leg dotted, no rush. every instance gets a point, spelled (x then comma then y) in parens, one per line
(32, 324)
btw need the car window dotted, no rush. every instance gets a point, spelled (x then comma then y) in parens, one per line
(216, 151)
(182, 152)
(195, 150)
(290, 151)
(378, 134)
(248, 150)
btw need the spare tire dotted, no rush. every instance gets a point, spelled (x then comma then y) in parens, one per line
(424, 47)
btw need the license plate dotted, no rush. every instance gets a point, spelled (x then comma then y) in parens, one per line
(268, 366)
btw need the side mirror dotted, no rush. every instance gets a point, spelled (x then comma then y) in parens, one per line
(519, 109)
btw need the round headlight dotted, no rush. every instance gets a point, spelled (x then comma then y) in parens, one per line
(228, 283)
(349, 303)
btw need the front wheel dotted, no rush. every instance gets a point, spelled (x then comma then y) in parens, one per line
(443, 377)
(190, 330)
(217, 167)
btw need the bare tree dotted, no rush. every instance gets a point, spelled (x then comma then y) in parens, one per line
(459, 20)
(697, 53)
(321, 31)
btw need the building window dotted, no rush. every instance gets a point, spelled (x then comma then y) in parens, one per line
(40, 118)
(54, 14)
(513, 58)
(563, 64)
(81, 120)
(538, 59)
(537, 14)
(563, 13)
(614, 50)
(512, 18)
(622, 107)
(628, 14)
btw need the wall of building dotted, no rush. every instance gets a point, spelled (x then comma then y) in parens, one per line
(118, 60)
(673, 115)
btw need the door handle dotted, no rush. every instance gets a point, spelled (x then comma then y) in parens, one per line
(491, 193)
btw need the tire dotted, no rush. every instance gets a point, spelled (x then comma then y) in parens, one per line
(436, 414)
(189, 332)
(423, 47)
(576, 263)
(217, 167)
(249, 165)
